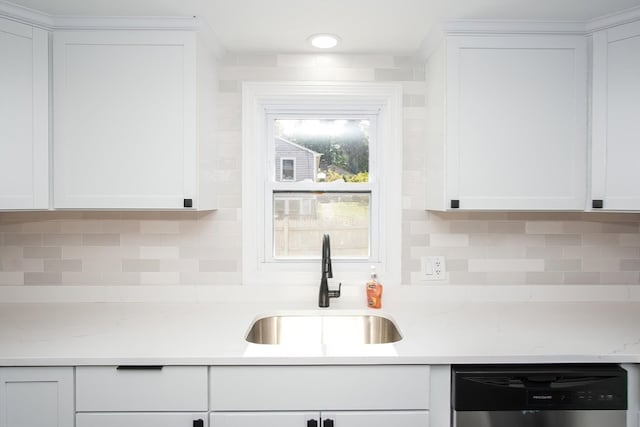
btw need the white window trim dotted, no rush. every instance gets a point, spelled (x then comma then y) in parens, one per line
(282, 159)
(260, 98)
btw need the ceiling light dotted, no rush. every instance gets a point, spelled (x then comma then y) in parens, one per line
(324, 41)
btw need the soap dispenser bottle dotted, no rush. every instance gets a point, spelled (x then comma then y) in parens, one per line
(374, 290)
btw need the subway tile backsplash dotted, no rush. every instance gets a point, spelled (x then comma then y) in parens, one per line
(171, 248)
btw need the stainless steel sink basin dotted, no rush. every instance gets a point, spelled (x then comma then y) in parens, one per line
(345, 329)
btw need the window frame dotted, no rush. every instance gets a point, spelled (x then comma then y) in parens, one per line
(260, 101)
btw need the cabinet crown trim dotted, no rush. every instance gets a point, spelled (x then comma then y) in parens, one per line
(613, 20)
(510, 27)
(49, 22)
(72, 22)
(473, 26)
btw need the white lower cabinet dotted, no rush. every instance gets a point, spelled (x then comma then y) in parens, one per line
(320, 396)
(322, 419)
(149, 419)
(244, 396)
(141, 388)
(41, 396)
(141, 396)
(377, 419)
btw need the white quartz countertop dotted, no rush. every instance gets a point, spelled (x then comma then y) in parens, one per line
(212, 333)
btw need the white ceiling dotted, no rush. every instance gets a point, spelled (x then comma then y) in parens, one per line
(366, 26)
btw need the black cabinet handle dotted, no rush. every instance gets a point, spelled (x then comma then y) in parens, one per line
(327, 423)
(455, 204)
(312, 423)
(139, 367)
(597, 204)
(198, 423)
(188, 203)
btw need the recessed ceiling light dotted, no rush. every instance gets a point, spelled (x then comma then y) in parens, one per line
(324, 41)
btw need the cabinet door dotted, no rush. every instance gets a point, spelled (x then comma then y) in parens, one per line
(376, 419)
(124, 119)
(516, 122)
(141, 419)
(616, 109)
(24, 117)
(265, 419)
(40, 397)
(323, 419)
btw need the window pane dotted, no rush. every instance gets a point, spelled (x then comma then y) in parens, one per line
(288, 170)
(323, 149)
(300, 220)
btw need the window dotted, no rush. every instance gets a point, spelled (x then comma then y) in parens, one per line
(287, 169)
(313, 163)
(330, 150)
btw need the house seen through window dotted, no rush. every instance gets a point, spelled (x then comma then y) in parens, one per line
(321, 184)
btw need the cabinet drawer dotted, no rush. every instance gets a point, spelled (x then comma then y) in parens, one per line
(142, 420)
(293, 388)
(168, 388)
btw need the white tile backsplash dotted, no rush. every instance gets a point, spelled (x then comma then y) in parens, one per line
(183, 248)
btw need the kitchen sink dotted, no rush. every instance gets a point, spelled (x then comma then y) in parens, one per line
(329, 329)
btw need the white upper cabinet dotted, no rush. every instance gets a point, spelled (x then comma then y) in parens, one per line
(507, 123)
(24, 117)
(132, 120)
(616, 119)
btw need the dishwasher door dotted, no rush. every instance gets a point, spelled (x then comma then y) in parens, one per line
(539, 395)
(597, 418)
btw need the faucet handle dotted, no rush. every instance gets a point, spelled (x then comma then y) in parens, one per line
(336, 294)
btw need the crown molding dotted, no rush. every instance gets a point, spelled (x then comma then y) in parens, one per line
(613, 20)
(475, 26)
(61, 22)
(73, 22)
(523, 27)
(26, 15)
(48, 22)
(483, 27)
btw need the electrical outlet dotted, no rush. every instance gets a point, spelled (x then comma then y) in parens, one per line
(433, 268)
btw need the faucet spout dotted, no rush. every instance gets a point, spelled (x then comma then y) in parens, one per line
(325, 294)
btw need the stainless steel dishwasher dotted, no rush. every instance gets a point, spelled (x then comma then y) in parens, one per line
(539, 395)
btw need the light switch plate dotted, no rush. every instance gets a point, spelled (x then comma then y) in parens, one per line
(433, 268)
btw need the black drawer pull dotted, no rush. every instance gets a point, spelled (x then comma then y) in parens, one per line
(327, 423)
(139, 367)
(312, 423)
(198, 423)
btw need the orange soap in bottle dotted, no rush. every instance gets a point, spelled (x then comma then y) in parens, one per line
(374, 290)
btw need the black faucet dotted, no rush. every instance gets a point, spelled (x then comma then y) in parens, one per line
(325, 294)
